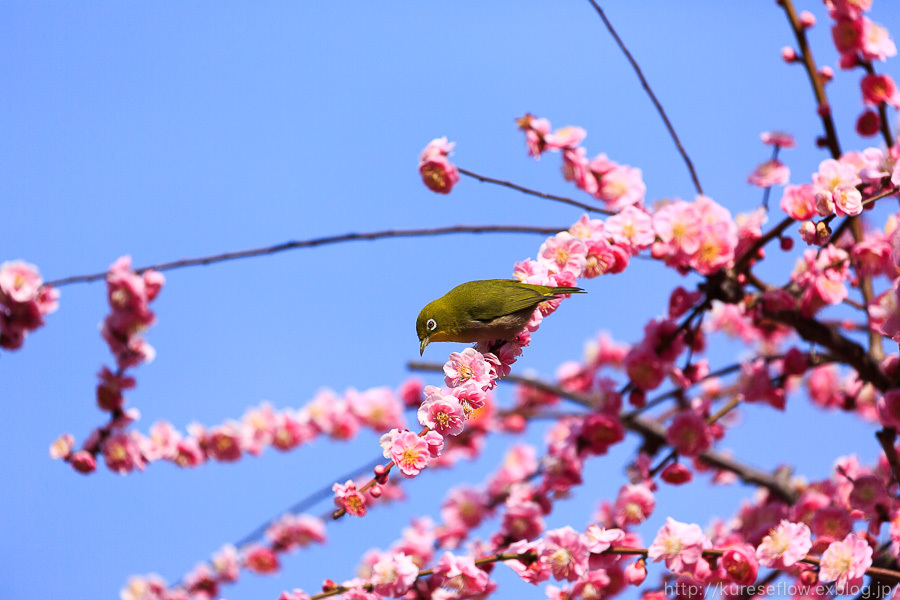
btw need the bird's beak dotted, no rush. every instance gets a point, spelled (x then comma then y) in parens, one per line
(423, 344)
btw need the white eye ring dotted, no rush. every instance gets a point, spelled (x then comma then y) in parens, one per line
(431, 324)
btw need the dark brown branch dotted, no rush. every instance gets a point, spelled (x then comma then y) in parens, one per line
(744, 260)
(334, 239)
(843, 349)
(530, 192)
(656, 103)
(822, 106)
(887, 437)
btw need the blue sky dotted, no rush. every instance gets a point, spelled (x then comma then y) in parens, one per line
(180, 130)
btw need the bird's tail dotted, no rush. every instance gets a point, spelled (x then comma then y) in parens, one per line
(566, 290)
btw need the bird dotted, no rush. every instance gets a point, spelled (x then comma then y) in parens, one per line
(480, 311)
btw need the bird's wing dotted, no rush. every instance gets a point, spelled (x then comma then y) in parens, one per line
(515, 298)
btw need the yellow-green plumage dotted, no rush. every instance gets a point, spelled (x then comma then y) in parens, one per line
(480, 311)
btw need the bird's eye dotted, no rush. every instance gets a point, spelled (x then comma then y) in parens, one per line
(431, 324)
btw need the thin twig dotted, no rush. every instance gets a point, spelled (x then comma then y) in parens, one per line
(768, 190)
(656, 103)
(882, 111)
(822, 106)
(530, 192)
(322, 241)
(305, 503)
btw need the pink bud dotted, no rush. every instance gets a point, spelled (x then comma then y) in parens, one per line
(676, 474)
(808, 232)
(658, 250)
(826, 73)
(636, 572)
(514, 423)
(868, 123)
(83, 462)
(890, 365)
(807, 19)
(823, 233)
(808, 577)
(889, 409)
(637, 398)
(823, 110)
(788, 54)
(787, 243)
(795, 362)
(375, 491)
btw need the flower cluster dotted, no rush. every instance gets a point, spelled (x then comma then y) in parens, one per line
(287, 534)
(24, 300)
(617, 186)
(438, 173)
(860, 41)
(129, 296)
(338, 417)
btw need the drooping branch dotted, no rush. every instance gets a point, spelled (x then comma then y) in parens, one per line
(646, 85)
(322, 241)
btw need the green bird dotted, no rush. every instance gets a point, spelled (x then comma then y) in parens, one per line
(480, 311)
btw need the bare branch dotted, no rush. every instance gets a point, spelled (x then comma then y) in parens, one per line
(322, 241)
(656, 103)
(530, 192)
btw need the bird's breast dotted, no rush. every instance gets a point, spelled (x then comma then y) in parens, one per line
(499, 328)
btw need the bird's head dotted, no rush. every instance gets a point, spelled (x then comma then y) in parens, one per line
(430, 324)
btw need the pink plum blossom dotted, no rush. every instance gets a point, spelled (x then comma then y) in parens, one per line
(460, 573)
(739, 564)
(878, 88)
(634, 504)
(780, 139)
(347, 497)
(621, 186)
(408, 451)
(688, 433)
(632, 228)
(19, 282)
(531, 571)
(564, 253)
(260, 560)
(438, 173)
(442, 413)
(394, 574)
(798, 202)
(564, 137)
(845, 562)
(565, 553)
(784, 546)
(680, 544)
(465, 366)
(772, 172)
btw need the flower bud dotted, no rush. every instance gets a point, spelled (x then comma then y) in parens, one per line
(636, 572)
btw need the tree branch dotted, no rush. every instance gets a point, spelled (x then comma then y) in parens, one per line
(322, 241)
(655, 432)
(656, 103)
(530, 192)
